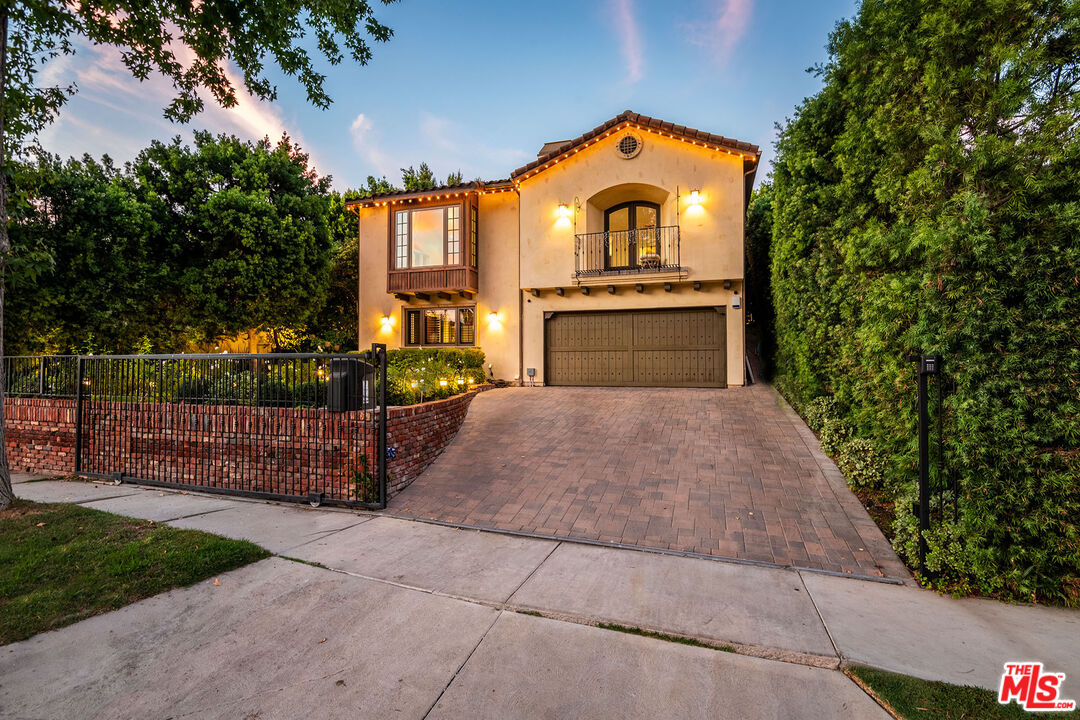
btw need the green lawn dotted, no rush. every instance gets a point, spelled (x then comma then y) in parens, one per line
(60, 563)
(915, 699)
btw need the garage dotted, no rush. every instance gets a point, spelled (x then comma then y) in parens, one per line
(647, 348)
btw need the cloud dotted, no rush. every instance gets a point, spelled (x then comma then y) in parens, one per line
(626, 29)
(366, 141)
(722, 33)
(129, 112)
(453, 147)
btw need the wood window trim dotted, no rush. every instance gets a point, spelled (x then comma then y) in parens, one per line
(464, 204)
(405, 327)
(631, 215)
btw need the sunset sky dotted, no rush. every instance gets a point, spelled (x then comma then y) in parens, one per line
(480, 86)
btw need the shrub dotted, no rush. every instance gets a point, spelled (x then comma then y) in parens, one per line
(834, 433)
(819, 411)
(416, 375)
(861, 463)
(901, 226)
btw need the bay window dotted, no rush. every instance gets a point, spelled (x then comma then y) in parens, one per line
(427, 237)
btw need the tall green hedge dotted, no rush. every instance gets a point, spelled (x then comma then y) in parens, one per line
(926, 200)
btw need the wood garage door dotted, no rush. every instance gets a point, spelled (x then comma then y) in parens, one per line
(653, 348)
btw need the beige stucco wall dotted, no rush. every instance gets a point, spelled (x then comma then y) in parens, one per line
(523, 245)
(499, 289)
(711, 235)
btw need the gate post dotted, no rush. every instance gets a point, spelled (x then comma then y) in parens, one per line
(378, 352)
(928, 365)
(78, 413)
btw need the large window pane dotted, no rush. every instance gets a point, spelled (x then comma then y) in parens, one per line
(427, 237)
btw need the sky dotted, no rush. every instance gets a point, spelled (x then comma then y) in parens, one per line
(480, 86)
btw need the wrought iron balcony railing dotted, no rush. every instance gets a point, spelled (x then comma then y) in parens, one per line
(619, 252)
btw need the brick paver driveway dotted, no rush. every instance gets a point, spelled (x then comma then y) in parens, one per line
(731, 473)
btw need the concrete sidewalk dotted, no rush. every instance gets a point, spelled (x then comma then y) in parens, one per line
(801, 617)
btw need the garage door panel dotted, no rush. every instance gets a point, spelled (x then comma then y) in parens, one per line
(591, 367)
(662, 348)
(679, 368)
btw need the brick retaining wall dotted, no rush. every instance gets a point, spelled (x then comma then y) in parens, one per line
(297, 450)
(40, 434)
(419, 433)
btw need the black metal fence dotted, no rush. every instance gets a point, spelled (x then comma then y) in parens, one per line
(39, 376)
(285, 426)
(627, 251)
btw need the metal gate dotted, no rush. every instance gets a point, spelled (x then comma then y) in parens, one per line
(298, 427)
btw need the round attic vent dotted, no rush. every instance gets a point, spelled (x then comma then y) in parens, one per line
(628, 146)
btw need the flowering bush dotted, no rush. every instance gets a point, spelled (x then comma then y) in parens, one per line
(416, 375)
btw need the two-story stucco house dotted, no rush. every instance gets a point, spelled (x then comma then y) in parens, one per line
(615, 258)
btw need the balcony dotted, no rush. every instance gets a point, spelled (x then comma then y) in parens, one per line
(419, 281)
(627, 252)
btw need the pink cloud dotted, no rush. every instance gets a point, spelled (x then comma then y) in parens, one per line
(722, 33)
(626, 28)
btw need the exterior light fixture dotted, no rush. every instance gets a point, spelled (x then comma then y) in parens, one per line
(563, 211)
(442, 382)
(493, 318)
(695, 197)
(413, 384)
(387, 323)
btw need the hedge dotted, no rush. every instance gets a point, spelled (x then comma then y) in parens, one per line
(416, 375)
(927, 199)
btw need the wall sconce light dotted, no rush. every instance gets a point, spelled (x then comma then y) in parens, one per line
(563, 212)
(387, 323)
(695, 198)
(493, 318)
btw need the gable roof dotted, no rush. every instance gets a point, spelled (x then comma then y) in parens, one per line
(552, 152)
(750, 152)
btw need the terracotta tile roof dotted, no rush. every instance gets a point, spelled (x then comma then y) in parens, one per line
(473, 185)
(642, 121)
(557, 149)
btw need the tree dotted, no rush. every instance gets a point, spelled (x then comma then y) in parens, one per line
(334, 324)
(110, 283)
(927, 200)
(423, 178)
(249, 222)
(213, 32)
(759, 302)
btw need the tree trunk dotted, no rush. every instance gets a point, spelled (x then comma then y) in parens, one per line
(7, 495)
(253, 341)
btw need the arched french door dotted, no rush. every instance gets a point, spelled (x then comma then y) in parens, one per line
(632, 235)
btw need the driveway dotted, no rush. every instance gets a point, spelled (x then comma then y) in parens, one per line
(732, 473)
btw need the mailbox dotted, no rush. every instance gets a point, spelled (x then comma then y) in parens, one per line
(352, 385)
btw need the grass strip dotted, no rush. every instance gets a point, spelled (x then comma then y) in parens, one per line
(915, 699)
(61, 563)
(664, 636)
